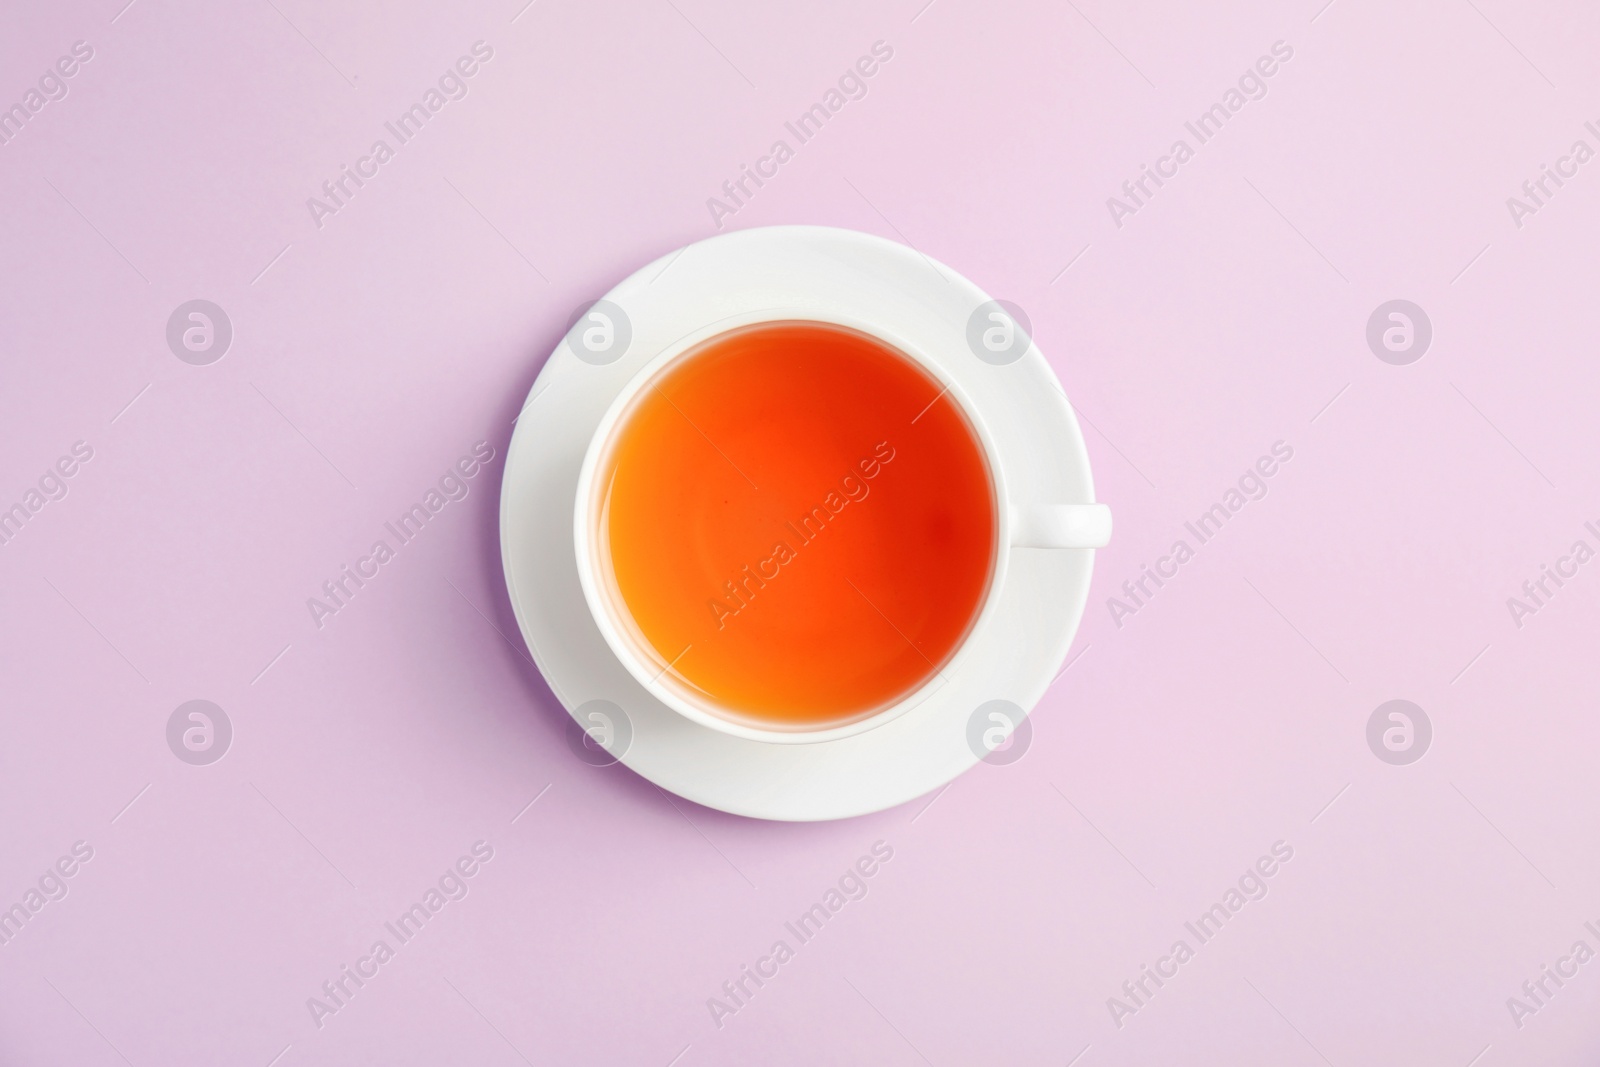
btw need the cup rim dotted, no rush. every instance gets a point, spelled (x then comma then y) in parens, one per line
(585, 528)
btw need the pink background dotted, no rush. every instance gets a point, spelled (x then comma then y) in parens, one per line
(1228, 714)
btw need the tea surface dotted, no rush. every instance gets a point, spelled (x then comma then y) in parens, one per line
(799, 522)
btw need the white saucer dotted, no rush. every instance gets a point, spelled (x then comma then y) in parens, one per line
(835, 272)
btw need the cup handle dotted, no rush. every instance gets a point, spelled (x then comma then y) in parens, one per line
(1061, 526)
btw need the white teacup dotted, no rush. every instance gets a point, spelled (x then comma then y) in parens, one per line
(1030, 524)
